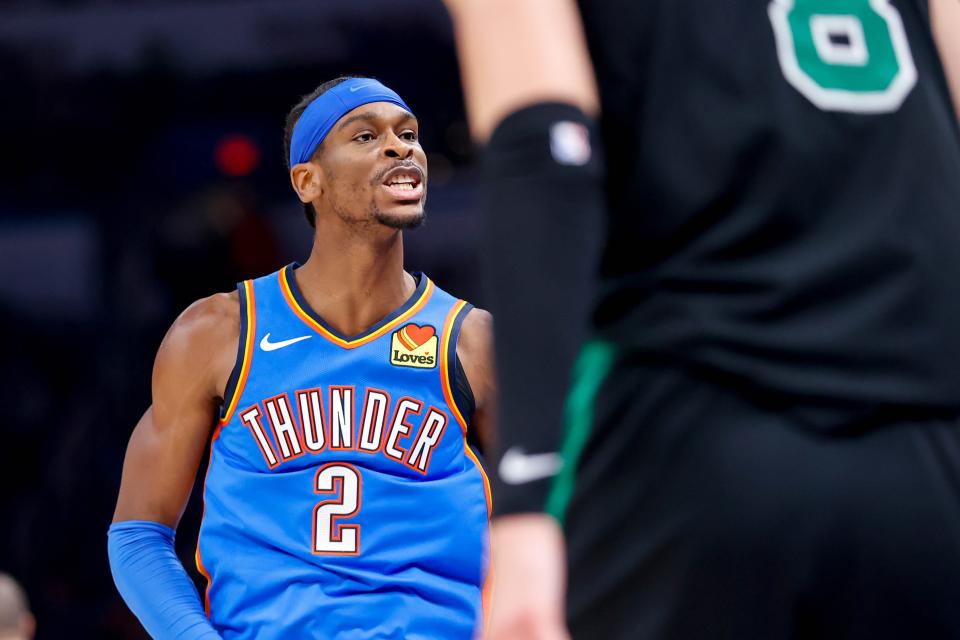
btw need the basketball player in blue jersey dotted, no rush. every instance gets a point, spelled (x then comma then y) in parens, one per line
(340, 400)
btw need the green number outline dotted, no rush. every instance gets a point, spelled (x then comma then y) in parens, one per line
(833, 99)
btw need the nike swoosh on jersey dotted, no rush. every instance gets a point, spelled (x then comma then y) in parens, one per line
(516, 467)
(266, 345)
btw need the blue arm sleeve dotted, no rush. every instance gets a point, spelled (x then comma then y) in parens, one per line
(154, 584)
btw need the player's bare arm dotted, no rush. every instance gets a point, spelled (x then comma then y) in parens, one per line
(945, 17)
(514, 57)
(475, 350)
(546, 35)
(189, 377)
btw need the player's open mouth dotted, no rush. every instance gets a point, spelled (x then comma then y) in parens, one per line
(404, 183)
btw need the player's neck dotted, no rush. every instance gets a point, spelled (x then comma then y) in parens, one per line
(354, 282)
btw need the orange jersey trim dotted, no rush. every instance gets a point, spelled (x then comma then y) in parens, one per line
(359, 342)
(448, 396)
(251, 317)
(199, 561)
(445, 363)
(249, 339)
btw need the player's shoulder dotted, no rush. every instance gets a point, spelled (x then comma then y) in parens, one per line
(209, 329)
(475, 350)
(477, 326)
(475, 342)
(209, 317)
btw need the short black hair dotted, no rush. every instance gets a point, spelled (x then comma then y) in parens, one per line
(291, 122)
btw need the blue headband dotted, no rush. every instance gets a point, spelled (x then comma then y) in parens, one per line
(321, 114)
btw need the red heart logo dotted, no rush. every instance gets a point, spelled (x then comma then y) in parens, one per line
(414, 336)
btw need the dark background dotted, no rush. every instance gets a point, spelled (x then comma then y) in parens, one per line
(142, 168)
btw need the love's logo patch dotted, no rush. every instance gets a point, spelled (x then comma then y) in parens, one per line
(414, 346)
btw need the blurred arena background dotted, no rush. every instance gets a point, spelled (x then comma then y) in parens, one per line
(142, 169)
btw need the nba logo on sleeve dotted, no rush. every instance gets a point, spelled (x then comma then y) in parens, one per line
(414, 346)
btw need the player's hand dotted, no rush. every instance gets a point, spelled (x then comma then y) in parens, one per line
(529, 579)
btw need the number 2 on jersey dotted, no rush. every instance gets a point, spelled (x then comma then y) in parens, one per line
(844, 55)
(329, 536)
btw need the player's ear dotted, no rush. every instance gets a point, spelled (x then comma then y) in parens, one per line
(307, 178)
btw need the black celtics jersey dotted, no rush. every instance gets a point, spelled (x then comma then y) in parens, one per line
(784, 188)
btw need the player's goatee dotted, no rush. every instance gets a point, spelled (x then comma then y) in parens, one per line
(401, 221)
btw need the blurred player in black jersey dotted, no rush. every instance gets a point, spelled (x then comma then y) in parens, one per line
(761, 439)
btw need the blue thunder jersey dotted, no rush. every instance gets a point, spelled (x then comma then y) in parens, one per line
(342, 499)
